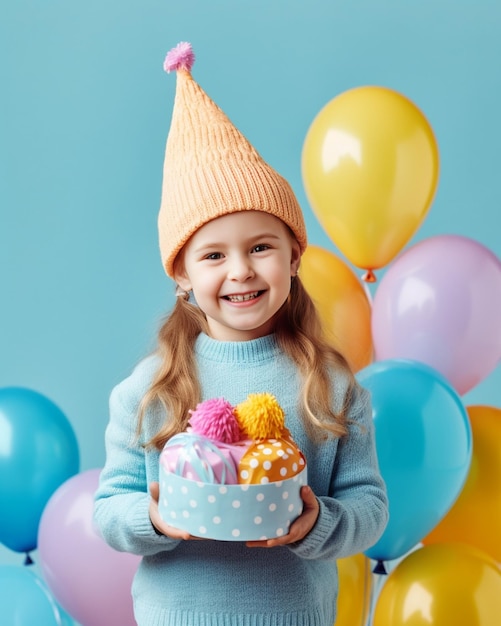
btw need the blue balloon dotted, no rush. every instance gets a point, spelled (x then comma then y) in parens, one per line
(424, 446)
(26, 601)
(38, 452)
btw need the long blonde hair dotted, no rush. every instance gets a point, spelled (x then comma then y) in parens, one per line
(298, 331)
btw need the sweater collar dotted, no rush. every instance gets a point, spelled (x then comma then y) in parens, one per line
(256, 350)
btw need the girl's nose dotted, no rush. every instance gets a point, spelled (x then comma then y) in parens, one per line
(240, 269)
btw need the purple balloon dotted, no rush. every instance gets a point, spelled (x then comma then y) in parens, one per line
(90, 580)
(440, 303)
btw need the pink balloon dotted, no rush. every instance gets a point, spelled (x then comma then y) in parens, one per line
(90, 580)
(440, 303)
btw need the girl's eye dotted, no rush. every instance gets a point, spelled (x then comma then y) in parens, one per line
(214, 256)
(260, 248)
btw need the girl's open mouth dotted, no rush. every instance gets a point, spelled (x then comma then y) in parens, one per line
(244, 297)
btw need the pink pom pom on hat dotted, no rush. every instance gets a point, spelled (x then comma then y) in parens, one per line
(181, 57)
(211, 169)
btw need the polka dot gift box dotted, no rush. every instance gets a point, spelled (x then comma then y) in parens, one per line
(235, 474)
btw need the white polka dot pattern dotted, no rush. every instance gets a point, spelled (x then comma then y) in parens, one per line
(230, 512)
(269, 461)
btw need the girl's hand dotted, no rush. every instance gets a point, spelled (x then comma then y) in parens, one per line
(157, 521)
(299, 528)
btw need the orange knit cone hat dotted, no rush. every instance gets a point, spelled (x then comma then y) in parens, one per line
(210, 168)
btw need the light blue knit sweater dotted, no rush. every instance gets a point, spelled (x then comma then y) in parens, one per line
(213, 583)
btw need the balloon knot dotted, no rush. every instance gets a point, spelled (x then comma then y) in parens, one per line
(379, 568)
(28, 560)
(369, 277)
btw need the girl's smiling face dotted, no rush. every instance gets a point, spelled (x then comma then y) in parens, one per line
(239, 267)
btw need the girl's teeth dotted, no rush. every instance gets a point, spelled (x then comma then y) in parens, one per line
(243, 298)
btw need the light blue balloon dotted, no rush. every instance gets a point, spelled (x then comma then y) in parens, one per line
(424, 446)
(38, 453)
(26, 601)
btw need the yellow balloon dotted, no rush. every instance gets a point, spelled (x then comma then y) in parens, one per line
(370, 168)
(355, 584)
(475, 517)
(342, 302)
(441, 585)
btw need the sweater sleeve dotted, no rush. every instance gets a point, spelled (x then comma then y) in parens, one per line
(355, 513)
(121, 510)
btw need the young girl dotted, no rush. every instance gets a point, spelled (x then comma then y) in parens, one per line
(231, 236)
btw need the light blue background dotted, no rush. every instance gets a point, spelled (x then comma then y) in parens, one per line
(85, 109)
